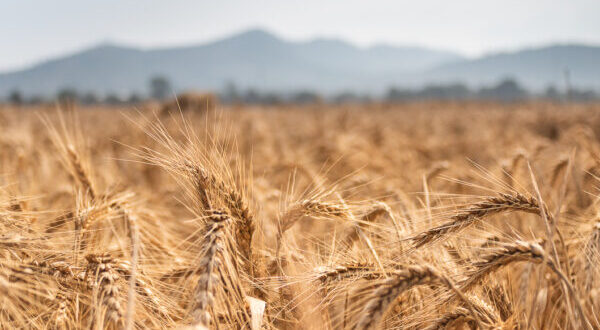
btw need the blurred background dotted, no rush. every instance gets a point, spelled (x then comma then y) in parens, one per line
(274, 52)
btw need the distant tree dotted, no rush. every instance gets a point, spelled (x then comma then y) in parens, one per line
(398, 95)
(366, 98)
(112, 99)
(346, 97)
(551, 93)
(507, 90)
(134, 98)
(15, 97)
(36, 99)
(67, 95)
(89, 98)
(272, 99)
(160, 88)
(230, 93)
(305, 97)
(445, 92)
(579, 95)
(251, 97)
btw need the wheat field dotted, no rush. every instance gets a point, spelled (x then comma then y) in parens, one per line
(416, 216)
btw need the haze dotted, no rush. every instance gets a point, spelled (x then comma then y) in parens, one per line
(31, 31)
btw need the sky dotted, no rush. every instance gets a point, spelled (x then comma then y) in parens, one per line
(34, 30)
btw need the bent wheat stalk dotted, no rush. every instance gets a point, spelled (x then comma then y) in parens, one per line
(307, 207)
(476, 212)
(502, 257)
(460, 314)
(522, 251)
(400, 282)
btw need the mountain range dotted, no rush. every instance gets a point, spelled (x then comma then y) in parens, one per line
(258, 59)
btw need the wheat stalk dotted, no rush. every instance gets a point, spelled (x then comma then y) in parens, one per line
(391, 288)
(236, 204)
(459, 314)
(506, 255)
(476, 212)
(209, 263)
(591, 252)
(80, 174)
(60, 317)
(341, 272)
(522, 251)
(104, 283)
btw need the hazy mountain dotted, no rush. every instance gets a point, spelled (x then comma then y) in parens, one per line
(261, 60)
(534, 68)
(251, 59)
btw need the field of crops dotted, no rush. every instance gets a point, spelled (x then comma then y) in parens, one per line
(414, 216)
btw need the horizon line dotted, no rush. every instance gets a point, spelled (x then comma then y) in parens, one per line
(270, 32)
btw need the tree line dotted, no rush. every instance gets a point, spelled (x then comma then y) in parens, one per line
(159, 88)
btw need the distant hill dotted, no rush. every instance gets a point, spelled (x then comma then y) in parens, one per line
(263, 61)
(251, 59)
(534, 68)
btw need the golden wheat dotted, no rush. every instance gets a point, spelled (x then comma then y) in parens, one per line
(200, 221)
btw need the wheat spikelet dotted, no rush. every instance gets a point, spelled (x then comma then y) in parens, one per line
(307, 207)
(523, 251)
(60, 317)
(236, 204)
(410, 277)
(133, 234)
(244, 226)
(338, 273)
(477, 211)
(103, 277)
(500, 298)
(436, 170)
(202, 182)
(459, 314)
(80, 174)
(591, 253)
(59, 221)
(506, 255)
(310, 207)
(558, 169)
(379, 209)
(59, 269)
(383, 296)
(125, 268)
(209, 263)
(84, 219)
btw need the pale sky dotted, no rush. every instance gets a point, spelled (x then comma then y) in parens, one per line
(31, 30)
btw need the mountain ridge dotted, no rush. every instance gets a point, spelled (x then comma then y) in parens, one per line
(259, 59)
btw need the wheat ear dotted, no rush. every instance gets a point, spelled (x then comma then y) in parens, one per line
(522, 251)
(477, 211)
(307, 207)
(104, 281)
(235, 202)
(592, 249)
(209, 263)
(342, 272)
(390, 289)
(460, 314)
(80, 174)
(502, 257)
